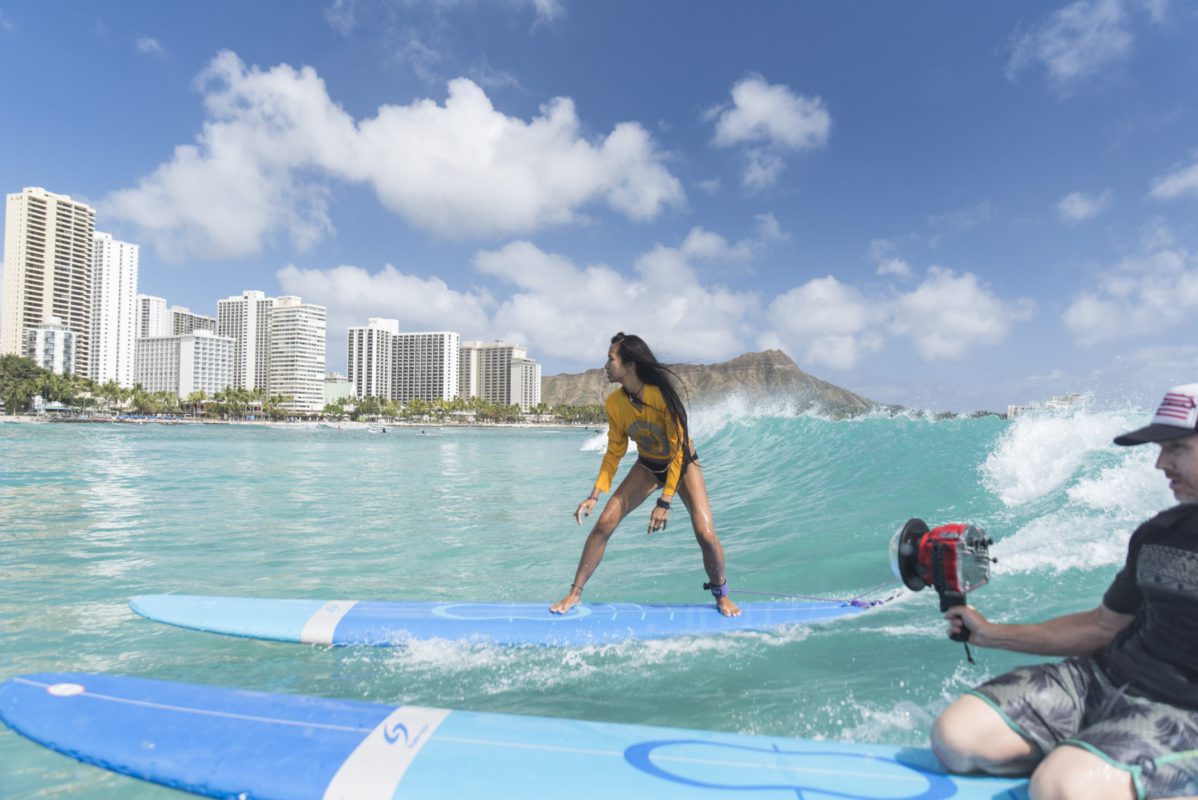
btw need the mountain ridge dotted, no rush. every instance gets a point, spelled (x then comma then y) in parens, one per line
(770, 374)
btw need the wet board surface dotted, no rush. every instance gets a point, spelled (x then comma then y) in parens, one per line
(349, 622)
(227, 743)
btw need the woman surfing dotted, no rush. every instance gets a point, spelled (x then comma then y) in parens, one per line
(647, 409)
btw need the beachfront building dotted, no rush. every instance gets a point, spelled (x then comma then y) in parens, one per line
(114, 309)
(182, 320)
(499, 373)
(297, 354)
(1058, 404)
(336, 388)
(152, 319)
(371, 357)
(246, 320)
(189, 362)
(425, 366)
(526, 383)
(48, 262)
(51, 345)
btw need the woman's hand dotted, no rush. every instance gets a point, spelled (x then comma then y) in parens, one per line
(658, 519)
(585, 508)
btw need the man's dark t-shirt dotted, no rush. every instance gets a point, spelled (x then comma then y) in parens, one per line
(1158, 653)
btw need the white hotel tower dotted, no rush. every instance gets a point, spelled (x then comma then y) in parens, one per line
(115, 318)
(297, 353)
(48, 248)
(425, 366)
(191, 362)
(500, 373)
(152, 319)
(370, 357)
(246, 320)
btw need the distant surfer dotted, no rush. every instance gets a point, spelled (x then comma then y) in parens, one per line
(647, 409)
(1118, 718)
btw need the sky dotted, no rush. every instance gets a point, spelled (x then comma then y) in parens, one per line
(943, 205)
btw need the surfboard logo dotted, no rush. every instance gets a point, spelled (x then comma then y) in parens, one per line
(397, 730)
(65, 690)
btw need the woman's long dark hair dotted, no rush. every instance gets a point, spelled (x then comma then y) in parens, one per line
(633, 350)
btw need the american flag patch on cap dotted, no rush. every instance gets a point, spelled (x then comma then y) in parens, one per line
(1179, 408)
(1176, 418)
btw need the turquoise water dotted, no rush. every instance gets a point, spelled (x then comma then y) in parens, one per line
(93, 514)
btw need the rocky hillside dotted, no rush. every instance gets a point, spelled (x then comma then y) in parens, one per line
(770, 378)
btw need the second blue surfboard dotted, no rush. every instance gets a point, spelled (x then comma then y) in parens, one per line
(350, 622)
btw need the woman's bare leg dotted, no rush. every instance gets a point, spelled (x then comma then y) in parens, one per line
(693, 491)
(637, 485)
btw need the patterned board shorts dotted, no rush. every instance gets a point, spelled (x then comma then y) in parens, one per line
(1073, 702)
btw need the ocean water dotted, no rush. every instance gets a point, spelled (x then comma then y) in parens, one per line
(91, 515)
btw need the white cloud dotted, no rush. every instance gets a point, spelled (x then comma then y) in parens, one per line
(340, 16)
(966, 218)
(1079, 206)
(569, 312)
(1140, 296)
(833, 324)
(1075, 42)
(948, 314)
(352, 295)
(883, 253)
(769, 120)
(274, 140)
(1156, 235)
(1179, 182)
(710, 186)
(830, 323)
(548, 11)
(1158, 10)
(149, 46)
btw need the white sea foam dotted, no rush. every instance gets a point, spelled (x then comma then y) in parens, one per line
(1038, 455)
(598, 444)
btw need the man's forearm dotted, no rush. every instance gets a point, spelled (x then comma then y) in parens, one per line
(1079, 634)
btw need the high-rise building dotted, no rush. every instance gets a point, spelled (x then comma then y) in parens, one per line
(114, 309)
(182, 320)
(370, 349)
(246, 320)
(526, 383)
(48, 246)
(51, 345)
(152, 319)
(297, 354)
(499, 373)
(189, 362)
(425, 366)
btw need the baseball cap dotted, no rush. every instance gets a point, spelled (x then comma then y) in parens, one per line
(1177, 417)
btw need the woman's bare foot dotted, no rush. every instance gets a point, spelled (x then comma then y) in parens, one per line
(727, 607)
(568, 602)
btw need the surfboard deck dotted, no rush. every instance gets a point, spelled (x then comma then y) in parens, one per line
(230, 743)
(349, 622)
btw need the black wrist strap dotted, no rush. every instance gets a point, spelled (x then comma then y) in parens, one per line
(663, 504)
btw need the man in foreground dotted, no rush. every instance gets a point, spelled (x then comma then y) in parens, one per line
(1118, 718)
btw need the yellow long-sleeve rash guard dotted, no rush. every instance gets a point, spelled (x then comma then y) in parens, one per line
(653, 429)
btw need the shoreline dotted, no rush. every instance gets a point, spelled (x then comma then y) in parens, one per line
(25, 419)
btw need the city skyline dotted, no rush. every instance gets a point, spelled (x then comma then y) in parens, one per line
(939, 206)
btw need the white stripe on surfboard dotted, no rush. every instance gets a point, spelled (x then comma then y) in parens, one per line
(375, 768)
(320, 626)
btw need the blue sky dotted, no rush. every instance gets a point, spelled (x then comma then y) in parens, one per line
(944, 205)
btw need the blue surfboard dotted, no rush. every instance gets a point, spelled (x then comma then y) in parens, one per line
(350, 622)
(229, 743)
